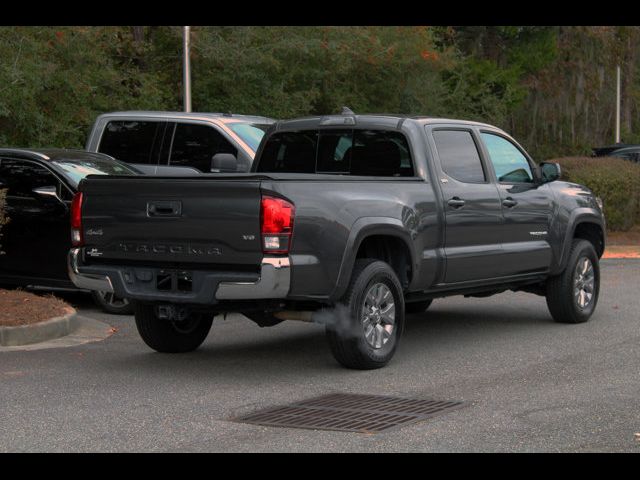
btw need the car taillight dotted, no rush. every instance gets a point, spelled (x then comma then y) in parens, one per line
(76, 220)
(276, 224)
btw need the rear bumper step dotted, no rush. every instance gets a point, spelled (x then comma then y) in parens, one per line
(207, 287)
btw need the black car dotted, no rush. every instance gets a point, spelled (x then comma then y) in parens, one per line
(40, 186)
(621, 150)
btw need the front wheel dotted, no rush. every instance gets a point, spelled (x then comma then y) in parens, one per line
(171, 336)
(572, 296)
(367, 324)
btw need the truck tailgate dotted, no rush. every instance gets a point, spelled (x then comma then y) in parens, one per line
(201, 220)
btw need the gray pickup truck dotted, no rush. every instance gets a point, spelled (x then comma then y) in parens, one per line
(348, 220)
(204, 141)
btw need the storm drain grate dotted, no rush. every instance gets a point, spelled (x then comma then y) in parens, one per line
(349, 412)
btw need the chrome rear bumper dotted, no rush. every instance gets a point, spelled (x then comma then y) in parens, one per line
(273, 281)
(101, 283)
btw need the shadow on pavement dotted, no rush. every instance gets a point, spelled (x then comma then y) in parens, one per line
(283, 350)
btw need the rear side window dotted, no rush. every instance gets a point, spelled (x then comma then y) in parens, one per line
(195, 145)
(459, 155)
(130, 141)
(346, 152)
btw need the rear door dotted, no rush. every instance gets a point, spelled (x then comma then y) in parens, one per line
(473, 214)
(527, 207)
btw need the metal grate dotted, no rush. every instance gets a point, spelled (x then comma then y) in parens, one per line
(349, 412)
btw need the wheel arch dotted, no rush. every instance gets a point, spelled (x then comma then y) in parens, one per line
(586, 224)
(383, 238)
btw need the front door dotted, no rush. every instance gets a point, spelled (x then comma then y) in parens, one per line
(527, 207)
(36, 240)
(473, 213)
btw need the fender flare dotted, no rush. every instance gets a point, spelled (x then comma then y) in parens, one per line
(577, 217)
(361, 229)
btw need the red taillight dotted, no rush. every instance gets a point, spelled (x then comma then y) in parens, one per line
(76, 220)
(276, 224)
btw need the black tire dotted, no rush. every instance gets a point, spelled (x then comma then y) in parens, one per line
(167, 336)
(417, 307)
(109, 303)
(563, 304)
(345, 331)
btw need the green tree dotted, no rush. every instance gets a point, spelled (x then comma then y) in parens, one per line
(55, 80)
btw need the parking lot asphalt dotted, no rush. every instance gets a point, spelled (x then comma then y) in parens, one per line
(530, 384)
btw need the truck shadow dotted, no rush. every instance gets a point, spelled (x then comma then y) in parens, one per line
(286, 350)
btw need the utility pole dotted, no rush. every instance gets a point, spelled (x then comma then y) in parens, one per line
(186, 68)
(618, 104)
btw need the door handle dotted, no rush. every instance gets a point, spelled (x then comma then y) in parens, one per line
(164, 209)
(509, 202)
(456, 202)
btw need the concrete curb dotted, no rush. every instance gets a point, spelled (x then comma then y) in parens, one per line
(39, 332)
(622, 251)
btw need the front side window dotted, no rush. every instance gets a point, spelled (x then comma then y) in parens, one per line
(510, 165)
(459, 155)
(20, 178)
(250, 133)
(130, 141)
(195, 145)
(377, 153)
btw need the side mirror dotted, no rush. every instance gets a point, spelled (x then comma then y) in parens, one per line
(550, 171)
(224, 162)
(48, 192)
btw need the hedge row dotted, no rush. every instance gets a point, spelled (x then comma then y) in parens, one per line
(614, 180)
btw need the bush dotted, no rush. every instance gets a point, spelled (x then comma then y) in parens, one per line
(614, 180)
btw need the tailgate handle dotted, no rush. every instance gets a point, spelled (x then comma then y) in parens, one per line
(164, 208)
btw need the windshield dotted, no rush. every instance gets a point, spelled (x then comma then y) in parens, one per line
(250, 133)
(76, 170)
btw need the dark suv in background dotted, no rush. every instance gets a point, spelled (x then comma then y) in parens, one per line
(621, 150)
(206, 141)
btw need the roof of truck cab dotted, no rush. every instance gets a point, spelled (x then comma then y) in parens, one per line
(369, 120)
(48, 154)
(223, 117)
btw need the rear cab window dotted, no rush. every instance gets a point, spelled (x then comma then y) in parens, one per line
(378, 153)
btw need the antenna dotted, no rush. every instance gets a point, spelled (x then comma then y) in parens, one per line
(346, 111)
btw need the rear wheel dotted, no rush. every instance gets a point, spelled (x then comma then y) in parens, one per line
(171, 336)
(110, 303)
(572, 296)
(369, 320)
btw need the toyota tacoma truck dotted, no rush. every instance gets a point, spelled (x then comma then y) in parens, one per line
(348, 220)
